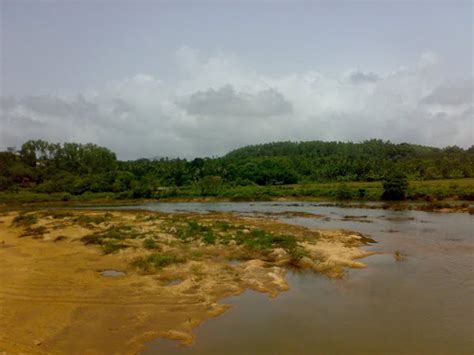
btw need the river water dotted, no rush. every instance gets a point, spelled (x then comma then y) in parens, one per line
(422, 305)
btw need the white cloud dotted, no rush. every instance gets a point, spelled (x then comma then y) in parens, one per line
(219, 104)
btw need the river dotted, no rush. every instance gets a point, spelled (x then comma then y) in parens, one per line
(421, 305)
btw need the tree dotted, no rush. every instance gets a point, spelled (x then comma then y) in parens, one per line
(209, 185)
(395, 187)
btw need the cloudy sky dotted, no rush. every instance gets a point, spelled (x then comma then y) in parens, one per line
(194, 78)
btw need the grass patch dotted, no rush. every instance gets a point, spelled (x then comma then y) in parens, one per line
(87, 220)
(24, 220)
(262, 241)
(399, 256)
(56, 214)
(111, 239)
(150, 243)
(35, 232)
(112, 246)
(194, 231)
(208, 237)
(156, 261)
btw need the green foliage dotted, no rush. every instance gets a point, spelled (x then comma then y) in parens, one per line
(343, 192)
(255, 172)
(209, 185)
(208, 237)
(395, 187)
(5, 183)
(263, 241)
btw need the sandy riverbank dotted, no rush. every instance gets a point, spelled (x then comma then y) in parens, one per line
(53, 298)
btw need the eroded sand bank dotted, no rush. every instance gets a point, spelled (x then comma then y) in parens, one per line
(54, 299)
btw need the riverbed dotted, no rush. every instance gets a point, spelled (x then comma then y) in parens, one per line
(420, 304)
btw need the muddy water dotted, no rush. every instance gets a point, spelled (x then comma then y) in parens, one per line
(422, 305)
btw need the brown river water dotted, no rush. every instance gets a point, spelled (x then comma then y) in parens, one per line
(422, 305)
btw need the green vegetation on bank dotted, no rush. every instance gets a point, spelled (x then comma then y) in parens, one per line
(41, 171)
(432, 190)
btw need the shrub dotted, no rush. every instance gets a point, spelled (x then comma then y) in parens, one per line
(343, 192)
(208, 237)
(66, 196)
(395, 187)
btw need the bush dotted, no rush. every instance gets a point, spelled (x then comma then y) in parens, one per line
(343, 192)
(395, 187)
(5, 183)
(142, 191)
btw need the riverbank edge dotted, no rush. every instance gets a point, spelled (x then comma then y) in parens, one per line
(443, 206)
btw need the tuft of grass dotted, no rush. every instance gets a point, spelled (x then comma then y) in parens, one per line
(35, 232)
(111, 239)
(262, 241)
(195, 231)
(24, 220)
(112, 246)
(399, 256)
(120, 232)
(156, 261)
(86, 220)
(150, 243)
(208, 237)
(224, 226)
(56, 214)
(257, 240)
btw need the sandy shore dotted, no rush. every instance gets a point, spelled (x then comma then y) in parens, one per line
(54, 299)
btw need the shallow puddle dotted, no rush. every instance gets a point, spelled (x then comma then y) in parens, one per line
(112, 273)
(173, 282)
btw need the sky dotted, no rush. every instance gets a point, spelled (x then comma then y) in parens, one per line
(199, 78)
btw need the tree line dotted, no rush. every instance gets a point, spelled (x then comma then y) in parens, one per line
(75, 168)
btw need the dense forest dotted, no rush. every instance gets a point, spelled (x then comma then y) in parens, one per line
(76, 169)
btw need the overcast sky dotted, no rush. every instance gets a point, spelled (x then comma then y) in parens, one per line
(195, 78)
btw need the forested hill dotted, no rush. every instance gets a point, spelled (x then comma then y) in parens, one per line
(367, 161)
(45, 167)
(371, 148)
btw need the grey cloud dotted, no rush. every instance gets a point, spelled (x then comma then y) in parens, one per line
(452, 93)
(7, 103)
(227, 102)
(359, 77)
